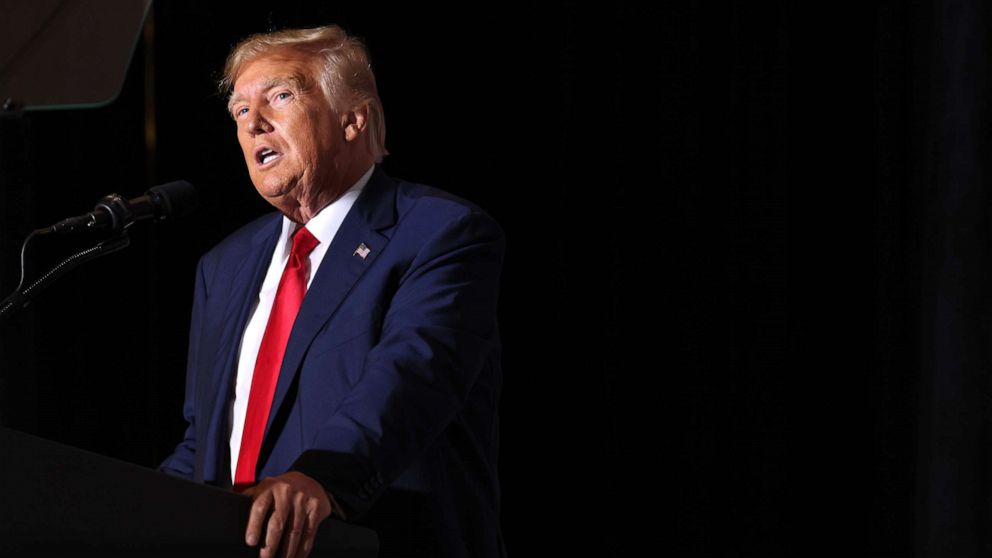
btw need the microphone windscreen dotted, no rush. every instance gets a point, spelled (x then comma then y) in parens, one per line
(173, 199)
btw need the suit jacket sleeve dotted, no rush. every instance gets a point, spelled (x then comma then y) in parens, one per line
(439, 328)
(181, 462)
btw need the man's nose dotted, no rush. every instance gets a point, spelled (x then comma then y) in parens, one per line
(257, 124)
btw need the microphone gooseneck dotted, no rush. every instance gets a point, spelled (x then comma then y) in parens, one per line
(115, 213)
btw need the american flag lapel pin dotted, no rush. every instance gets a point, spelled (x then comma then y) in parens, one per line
(362, 251)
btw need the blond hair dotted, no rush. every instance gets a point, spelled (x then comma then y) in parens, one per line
(346, 76)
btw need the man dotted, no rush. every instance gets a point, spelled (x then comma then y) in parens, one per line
(344, 353)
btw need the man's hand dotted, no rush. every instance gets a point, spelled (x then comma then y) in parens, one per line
(298, 504)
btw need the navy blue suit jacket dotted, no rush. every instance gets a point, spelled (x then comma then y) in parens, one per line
(388, 391)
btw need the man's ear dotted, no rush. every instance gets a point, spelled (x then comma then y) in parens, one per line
(354, 122)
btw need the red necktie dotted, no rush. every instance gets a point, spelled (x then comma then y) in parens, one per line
(289, 296)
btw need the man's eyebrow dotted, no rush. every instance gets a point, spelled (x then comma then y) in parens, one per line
(292, 81)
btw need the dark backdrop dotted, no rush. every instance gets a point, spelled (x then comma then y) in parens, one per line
(639, 161)
(932, 421)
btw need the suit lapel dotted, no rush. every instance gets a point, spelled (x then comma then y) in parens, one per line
(373, 212)
(246, 280)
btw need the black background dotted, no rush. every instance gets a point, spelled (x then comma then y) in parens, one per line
(641, 160)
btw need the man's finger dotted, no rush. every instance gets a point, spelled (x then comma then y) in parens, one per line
(256, 518)
(291, 539)
(310, 530)
(306, 547)
(277, 523)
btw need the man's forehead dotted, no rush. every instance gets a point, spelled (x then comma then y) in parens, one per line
(271, 70)
(269, 82)
(266, 72)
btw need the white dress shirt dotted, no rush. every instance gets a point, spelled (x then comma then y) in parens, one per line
(324, 225)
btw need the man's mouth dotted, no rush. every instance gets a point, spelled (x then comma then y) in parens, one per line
(266, 155)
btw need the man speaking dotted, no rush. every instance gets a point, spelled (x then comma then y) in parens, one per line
(344, 353)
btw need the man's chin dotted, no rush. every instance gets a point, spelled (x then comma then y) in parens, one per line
(275, 191)
(285, 202)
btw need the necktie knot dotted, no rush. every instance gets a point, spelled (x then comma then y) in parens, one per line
(303, 243)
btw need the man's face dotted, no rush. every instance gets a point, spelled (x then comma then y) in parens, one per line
(291, 138)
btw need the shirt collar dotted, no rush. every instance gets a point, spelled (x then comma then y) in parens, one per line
(326, 222)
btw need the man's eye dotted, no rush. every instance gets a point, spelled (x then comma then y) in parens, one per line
(240, 111)
(283, 95)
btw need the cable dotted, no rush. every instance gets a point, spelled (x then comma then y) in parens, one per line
(21, 297)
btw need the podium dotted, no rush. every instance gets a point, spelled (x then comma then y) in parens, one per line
(57, 500)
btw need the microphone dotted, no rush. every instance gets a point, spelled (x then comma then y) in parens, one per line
(113, 212)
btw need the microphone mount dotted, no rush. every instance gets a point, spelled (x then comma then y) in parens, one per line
(114, 213)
